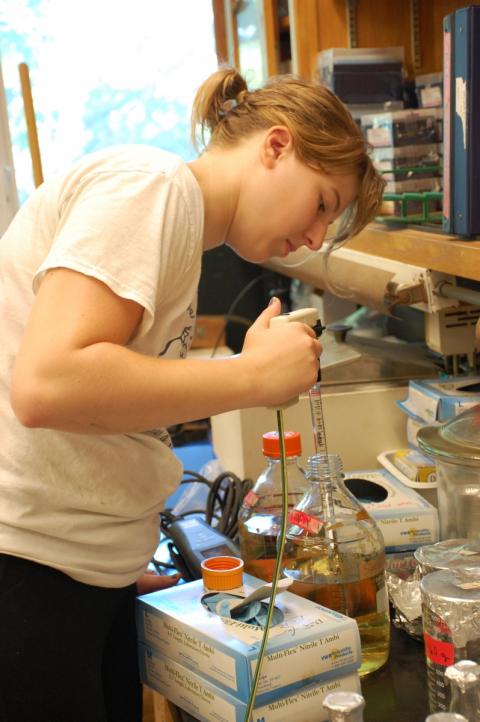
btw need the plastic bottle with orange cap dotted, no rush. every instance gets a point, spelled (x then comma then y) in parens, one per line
(259, 518)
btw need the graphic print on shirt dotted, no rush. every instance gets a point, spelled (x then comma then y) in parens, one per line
(184, 339)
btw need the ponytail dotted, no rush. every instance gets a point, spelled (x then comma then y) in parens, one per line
(218, 95)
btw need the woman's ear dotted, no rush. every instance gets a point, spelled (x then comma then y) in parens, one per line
(277, 144)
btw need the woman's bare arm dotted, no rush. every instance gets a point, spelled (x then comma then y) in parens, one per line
(73, 371)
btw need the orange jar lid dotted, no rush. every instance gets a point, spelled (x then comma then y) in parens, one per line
(271, 444)
(222, 573)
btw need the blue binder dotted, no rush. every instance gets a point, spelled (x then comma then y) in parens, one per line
(462, 122)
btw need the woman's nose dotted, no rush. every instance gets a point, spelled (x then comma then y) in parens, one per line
(315, 234)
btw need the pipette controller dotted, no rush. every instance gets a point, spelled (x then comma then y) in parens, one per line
(310, 317)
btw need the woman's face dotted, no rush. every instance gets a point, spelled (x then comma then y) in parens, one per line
(284, 204)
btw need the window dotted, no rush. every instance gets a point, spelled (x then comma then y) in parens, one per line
(103, 72)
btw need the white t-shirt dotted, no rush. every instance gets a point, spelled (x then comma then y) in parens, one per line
(131, 217)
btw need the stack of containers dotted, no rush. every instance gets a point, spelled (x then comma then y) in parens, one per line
(403, 140)
(367, 80)
(205, 663)
(432, 401)
(450, 610)
(370, 81)
(406, 140)
(429, 402)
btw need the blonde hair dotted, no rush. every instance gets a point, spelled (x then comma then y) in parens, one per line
(325, 136)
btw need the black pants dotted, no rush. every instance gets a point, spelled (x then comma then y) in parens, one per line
(67, 649)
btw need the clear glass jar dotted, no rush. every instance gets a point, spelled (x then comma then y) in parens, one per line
(335, 554)
(464, 679)
(455, 446)
(260, 517)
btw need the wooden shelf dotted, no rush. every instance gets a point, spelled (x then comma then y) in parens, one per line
(411, 245)
(439, 252)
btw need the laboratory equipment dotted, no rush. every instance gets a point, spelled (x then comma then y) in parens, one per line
(447, 554)
(464, 679)
(259, 519)
(344, 706)
(335, 556)
(451, 625)
(191, 541)
(318, 419)
(445, 717)
(455, 446)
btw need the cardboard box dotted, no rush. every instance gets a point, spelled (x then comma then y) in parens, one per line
(311, 644)
(405, 518)
(442, 398)
(416, 465)
(207, 702)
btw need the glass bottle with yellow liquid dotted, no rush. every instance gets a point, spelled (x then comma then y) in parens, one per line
(260, 518)
(335, 555)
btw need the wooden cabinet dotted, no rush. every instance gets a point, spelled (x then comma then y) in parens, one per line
(315, 25)
(416, 25)
(297, 30)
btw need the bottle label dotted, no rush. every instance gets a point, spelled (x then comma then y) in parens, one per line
(250, 499)
(305, 521)
(439, 652)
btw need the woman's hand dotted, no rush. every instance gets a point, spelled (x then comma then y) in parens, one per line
(283, 360)
(151, 582)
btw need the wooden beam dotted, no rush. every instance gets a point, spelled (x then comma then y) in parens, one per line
(303, 36)
(220, 30)
(270, 21)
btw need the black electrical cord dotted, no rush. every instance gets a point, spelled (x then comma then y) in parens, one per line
(223, 503)
(160, 566)
(226, 493)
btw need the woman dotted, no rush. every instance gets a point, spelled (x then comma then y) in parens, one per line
(99, 274)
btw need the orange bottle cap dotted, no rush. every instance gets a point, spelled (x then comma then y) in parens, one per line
(271, 444)
(222, 573)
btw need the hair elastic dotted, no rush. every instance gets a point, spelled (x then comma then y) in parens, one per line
(227, 106)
